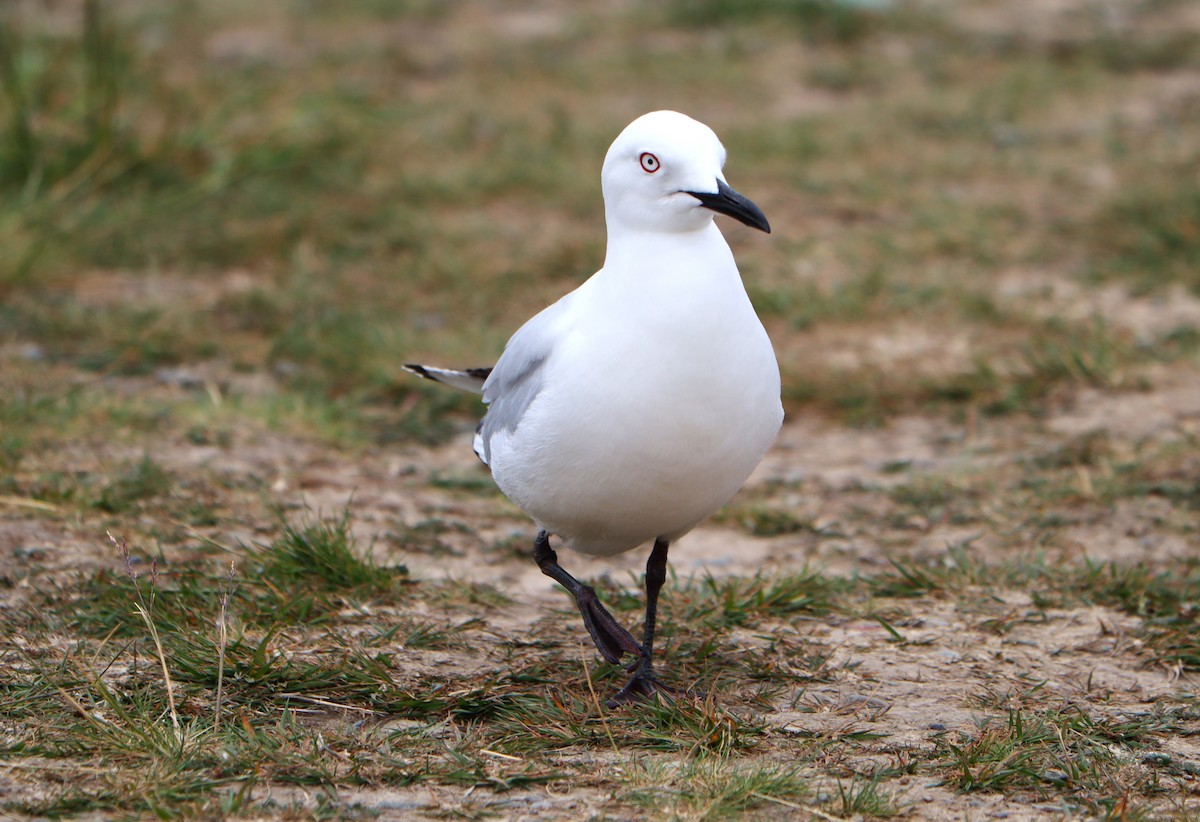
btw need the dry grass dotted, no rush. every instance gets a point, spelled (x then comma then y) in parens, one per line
(965, 582)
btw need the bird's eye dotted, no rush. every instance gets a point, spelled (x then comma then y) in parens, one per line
(650, 163)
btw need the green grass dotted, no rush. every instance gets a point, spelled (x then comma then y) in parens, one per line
(141, 480)
(729, 602)
(355, 248)
(1042, 752)
(223, 227)
(819, 20)
(711, 791)
(105, 696)
(863, 798)
(1150, 234)
(323, 555)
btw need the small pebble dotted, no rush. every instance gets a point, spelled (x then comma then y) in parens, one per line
(34, 553)
(402, 805)
(178, 377)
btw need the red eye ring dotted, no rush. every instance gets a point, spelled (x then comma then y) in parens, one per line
(650, 163)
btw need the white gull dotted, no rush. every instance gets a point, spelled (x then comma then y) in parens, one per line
(638, 404)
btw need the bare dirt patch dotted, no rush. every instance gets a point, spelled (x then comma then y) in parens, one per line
(936, 668)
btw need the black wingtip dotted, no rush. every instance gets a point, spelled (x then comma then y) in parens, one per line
(419, 370)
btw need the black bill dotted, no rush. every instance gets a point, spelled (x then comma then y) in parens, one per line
(728, 202)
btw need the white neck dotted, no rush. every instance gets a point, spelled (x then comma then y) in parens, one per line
(635, 256)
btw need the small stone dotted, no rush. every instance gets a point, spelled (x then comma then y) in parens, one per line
(179, 377)
(402, 805)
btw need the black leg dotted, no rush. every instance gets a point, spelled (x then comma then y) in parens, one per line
(643, 683)
(612, 641)
(656, 575)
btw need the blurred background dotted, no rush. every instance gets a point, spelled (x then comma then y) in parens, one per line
(977, 205)
(224, 225)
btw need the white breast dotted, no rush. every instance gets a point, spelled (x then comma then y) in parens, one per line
(656, 406)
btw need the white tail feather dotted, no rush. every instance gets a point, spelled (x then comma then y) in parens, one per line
(470, 379)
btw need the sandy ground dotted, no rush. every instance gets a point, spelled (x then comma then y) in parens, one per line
(835, 478)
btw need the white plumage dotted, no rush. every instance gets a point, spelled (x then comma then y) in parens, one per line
(639, 403)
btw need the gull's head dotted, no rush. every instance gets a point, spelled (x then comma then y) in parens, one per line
(663, 173)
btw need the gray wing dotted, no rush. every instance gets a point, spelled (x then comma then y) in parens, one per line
(517, 377)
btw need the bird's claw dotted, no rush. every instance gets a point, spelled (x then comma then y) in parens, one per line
(610, 638)
(641, 687)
